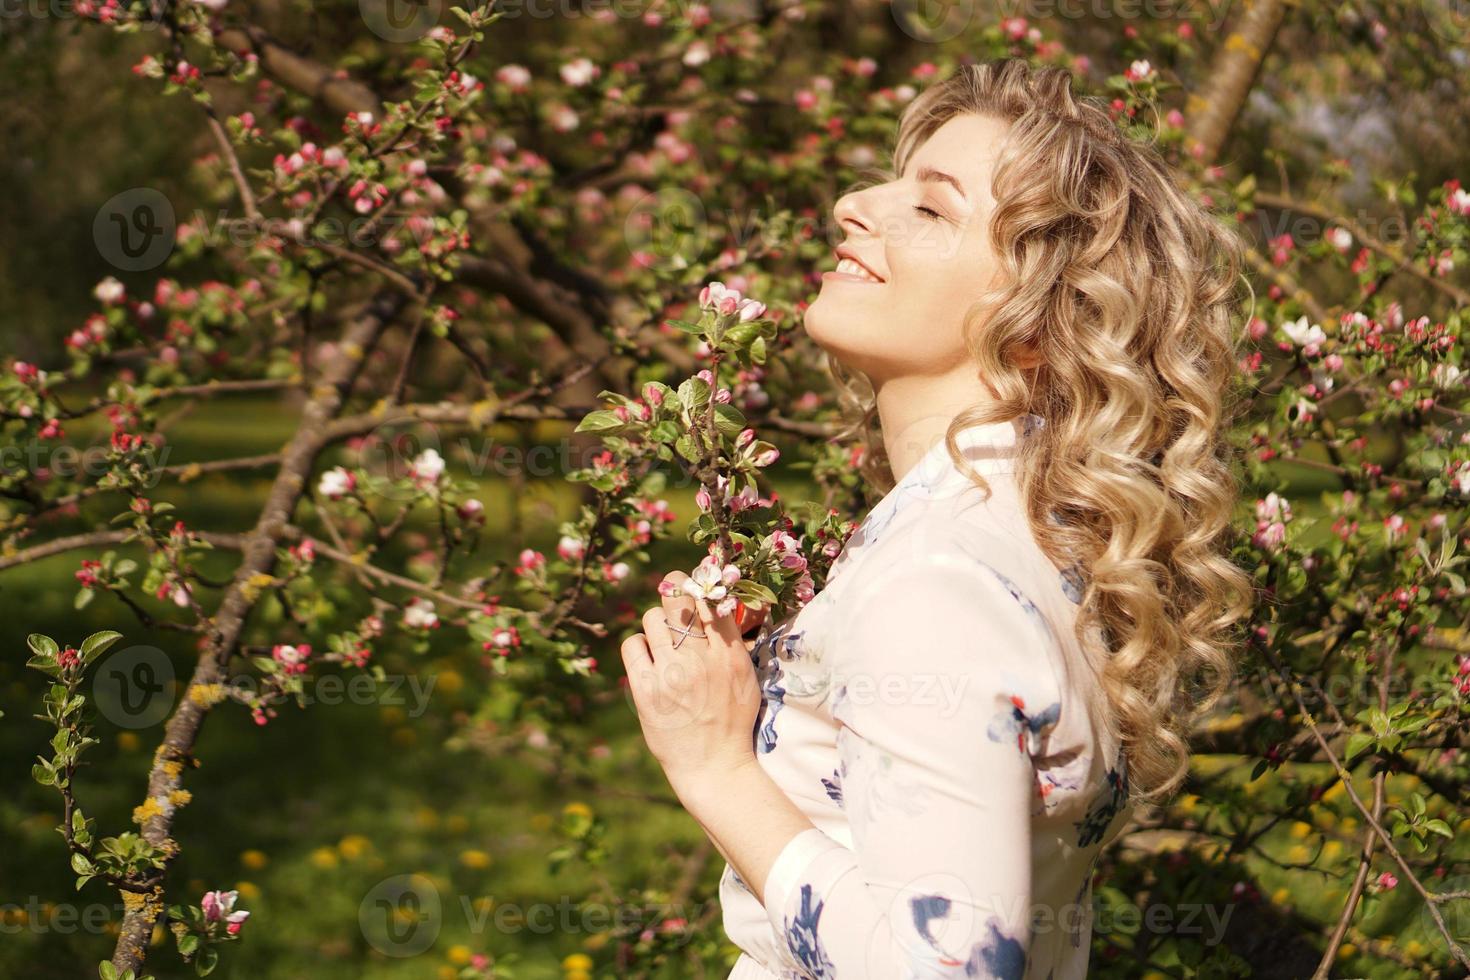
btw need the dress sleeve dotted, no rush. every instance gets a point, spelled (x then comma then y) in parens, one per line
(944, 685)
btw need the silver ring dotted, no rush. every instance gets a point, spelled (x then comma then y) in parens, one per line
(684, 633)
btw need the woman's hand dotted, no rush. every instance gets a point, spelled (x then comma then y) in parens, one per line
(697, 703)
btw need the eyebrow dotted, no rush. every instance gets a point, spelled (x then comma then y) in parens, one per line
(927, 173)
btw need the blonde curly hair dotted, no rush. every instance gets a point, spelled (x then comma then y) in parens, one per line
(1126, 285)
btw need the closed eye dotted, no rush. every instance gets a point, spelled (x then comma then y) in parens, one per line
(929, 211)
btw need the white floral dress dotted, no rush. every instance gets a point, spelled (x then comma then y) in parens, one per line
(932, 714)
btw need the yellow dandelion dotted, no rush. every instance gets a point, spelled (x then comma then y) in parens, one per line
(1281, 896)
(577, 809)
(426, 816)
(447, 973)
(595, 941)
(253, 859)
(128, 741)
(458, 955)
(577, 961)
(354, 846)
(1334, 791)
(1297, 854)
(1346, 950)
(392, 714)
(324, 857)
(483, 904)
(474, 859)
(1414, 948)
(1332, 849)
(1349, 824)
(576, 975)
(1300, 828)
(449, 681)
(248, 890)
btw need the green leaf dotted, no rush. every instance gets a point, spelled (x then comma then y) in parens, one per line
(729, 420)
(188, 945)
(42, 646)
(684, 446)
(81, 865)
(1357, 742)
(600, 421)
(207, 960)
(97, 644)
(84, 599)
(1438, 826)
(106, 970)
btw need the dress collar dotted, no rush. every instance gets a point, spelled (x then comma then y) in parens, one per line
(990, 447)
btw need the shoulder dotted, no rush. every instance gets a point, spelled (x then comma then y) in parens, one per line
(949, 609)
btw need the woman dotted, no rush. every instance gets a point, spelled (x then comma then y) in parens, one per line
(1007, 654)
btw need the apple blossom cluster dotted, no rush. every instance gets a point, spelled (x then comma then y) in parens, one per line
(755, 558)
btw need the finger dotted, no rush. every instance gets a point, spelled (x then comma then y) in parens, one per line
(661, 639)
(636, 655)
(679, 609)
(723, 629)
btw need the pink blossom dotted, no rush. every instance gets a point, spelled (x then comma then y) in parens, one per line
(419, 614)
(337, 483)
(293, 659)
(221, 906)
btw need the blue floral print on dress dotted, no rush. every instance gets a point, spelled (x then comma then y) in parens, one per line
(782, 644)
(804, 942)
(833, 787)
(1047, 783)
(1105, 806)
(1075, 933)
(998, 955)
(735, 877)
(885, 791)
(1025, 729)
(926, 909)
(1073, 583)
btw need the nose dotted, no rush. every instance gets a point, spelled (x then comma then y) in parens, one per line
(853, 214)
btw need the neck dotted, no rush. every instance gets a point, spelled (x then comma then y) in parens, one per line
(916, 411)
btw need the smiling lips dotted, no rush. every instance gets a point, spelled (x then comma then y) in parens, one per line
(849, 266)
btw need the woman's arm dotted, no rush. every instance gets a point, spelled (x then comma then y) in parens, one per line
(944, 686)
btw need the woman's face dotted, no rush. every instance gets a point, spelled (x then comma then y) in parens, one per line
(924, 236)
